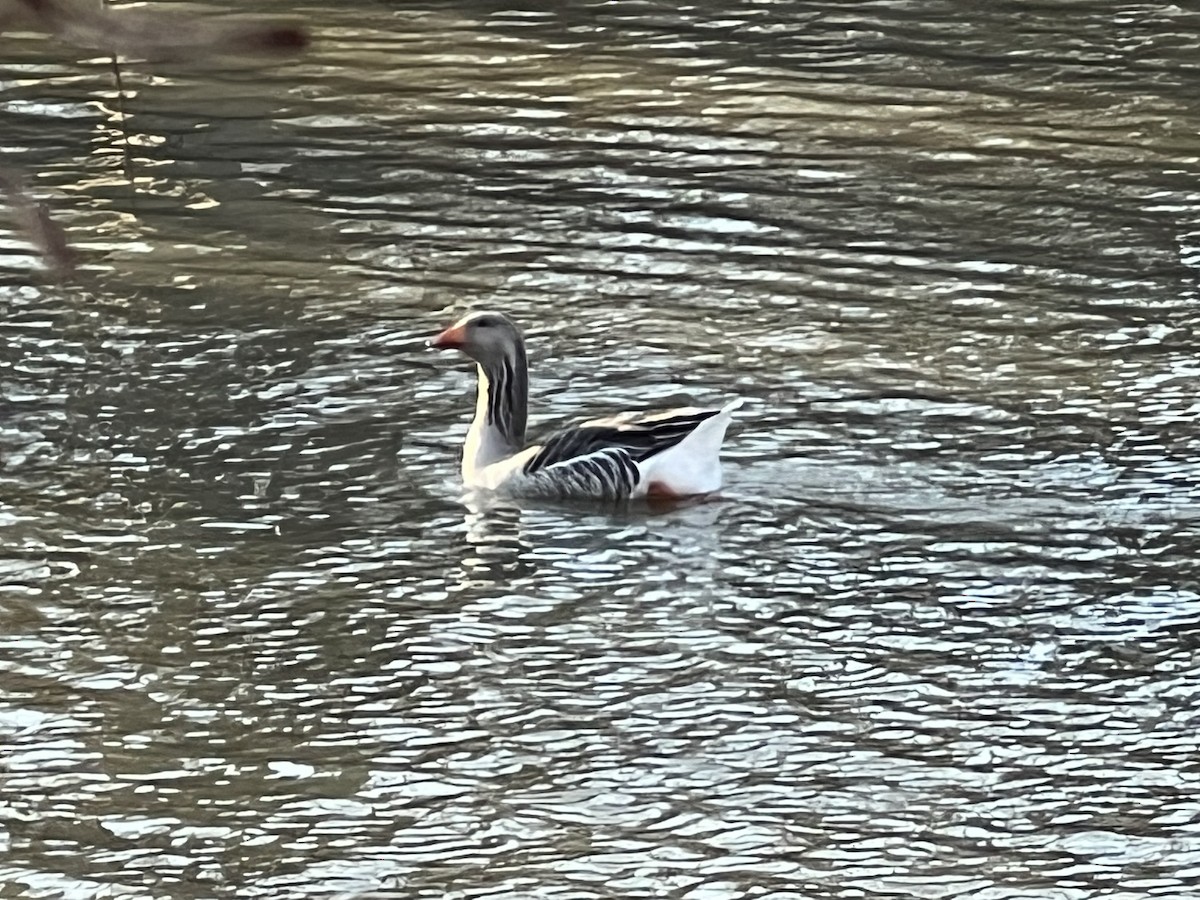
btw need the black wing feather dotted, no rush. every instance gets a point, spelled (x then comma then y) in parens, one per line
(640, 440)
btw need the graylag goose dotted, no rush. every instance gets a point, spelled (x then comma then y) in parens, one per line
(670, 454)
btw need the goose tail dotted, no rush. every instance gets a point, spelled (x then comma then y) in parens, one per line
(691, 467)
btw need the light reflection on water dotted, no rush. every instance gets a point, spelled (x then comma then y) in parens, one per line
(935, 640)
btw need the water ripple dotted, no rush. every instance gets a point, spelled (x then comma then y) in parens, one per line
(934, 641)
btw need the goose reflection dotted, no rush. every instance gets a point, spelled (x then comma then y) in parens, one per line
(547, 555)
(495, 553)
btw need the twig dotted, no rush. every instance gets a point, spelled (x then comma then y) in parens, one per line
(33, 219)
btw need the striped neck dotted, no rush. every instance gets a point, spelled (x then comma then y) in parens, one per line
(501, 409)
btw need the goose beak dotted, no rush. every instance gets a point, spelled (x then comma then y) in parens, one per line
(451, 339)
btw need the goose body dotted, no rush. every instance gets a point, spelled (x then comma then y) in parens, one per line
(674, 453)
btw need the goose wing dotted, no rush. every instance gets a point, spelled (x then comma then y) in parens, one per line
(635, 435)
(600, 458)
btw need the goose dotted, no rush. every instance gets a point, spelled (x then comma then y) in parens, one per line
(666, 455)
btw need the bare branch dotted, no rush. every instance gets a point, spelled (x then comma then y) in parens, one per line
(156, 34)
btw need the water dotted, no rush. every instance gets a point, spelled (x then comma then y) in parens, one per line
(939, 637)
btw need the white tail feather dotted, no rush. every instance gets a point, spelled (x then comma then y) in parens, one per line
(693, 466)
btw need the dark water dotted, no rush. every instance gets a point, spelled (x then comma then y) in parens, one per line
(940, 638)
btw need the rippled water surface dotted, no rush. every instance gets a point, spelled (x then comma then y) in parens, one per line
(938, 639)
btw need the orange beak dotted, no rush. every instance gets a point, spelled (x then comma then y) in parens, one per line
(451, 339)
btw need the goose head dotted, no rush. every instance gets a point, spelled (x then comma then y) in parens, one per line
(489, 338)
